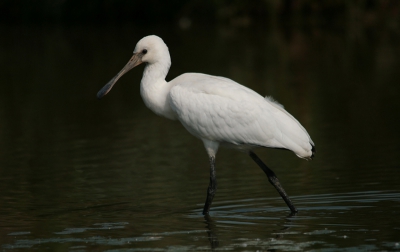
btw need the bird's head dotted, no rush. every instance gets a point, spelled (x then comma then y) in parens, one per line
(150, 49)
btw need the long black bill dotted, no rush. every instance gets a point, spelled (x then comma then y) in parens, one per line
(134, 61)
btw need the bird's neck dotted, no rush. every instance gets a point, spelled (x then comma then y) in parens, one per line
(155, 90)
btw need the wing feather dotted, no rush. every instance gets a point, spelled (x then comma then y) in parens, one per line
(219, 109)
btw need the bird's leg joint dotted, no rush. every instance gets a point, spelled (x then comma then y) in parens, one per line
(273, 180)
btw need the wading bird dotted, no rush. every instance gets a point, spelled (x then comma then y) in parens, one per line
(217, 110)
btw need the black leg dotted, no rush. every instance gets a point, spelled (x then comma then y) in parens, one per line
(274, 181)
(212, 187)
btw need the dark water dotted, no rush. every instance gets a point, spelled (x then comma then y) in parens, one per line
(79, 174)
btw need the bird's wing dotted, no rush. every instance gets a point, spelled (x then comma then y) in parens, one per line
(221, 110)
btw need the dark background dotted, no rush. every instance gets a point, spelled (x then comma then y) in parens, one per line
(326, 13)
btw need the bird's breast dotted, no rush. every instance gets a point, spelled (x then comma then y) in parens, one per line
(155, 97)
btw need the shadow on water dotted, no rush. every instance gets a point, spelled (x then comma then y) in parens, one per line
(80, 174)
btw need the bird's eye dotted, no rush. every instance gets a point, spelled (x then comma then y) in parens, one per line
(144, 51)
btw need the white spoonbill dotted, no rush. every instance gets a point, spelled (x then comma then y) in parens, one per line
(217, 110)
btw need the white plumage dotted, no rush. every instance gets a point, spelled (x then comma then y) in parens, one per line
(215, 109)
(221, 110)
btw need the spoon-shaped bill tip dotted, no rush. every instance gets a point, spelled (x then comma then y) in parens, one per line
(105, 89)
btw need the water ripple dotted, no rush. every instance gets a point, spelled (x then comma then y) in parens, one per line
(322, 220)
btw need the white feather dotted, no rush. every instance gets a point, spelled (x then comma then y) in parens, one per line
(216, 109)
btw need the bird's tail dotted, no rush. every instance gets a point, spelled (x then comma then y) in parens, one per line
(313, 150)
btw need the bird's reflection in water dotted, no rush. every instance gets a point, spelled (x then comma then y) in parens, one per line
(288, 220)
(213, 237)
